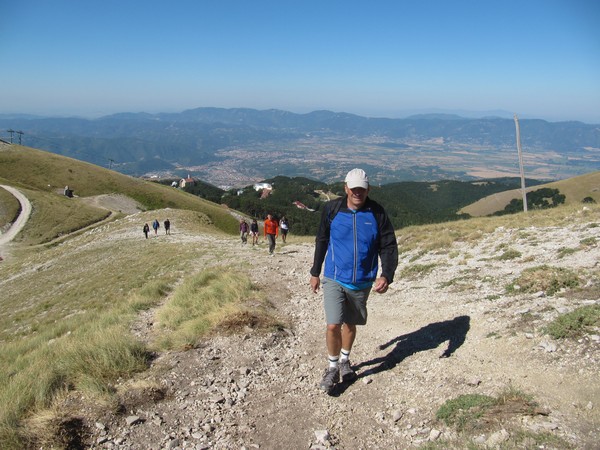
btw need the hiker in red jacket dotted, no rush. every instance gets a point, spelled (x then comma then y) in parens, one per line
(271, 232)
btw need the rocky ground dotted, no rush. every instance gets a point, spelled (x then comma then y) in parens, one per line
(434, 336)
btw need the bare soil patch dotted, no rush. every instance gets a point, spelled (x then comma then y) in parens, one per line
(114, 202)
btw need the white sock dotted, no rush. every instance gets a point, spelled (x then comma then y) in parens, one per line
(345, 355)
(333, 361)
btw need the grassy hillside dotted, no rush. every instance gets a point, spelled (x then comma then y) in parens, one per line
(44, 176)
(575, 189)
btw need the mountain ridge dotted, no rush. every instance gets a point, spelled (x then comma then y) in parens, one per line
(201, 139)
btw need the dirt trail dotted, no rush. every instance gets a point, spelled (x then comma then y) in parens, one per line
(18, 225)
(431, 338)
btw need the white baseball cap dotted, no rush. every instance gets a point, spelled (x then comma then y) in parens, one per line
(357, 178)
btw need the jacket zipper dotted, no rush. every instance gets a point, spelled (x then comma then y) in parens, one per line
(355, 237)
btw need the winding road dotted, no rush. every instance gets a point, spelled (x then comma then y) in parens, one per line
(18, 225)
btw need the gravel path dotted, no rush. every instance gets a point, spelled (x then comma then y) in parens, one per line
(21, 220)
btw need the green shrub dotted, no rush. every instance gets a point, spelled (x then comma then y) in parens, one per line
(575, 323)
(509, 254)
(589, 242)
(544, 278)
(463, 411)
(565, 251)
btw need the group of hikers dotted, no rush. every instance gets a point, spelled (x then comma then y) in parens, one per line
(272, 228)
(156, 226)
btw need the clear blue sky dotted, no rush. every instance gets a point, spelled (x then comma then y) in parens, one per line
(538, 58)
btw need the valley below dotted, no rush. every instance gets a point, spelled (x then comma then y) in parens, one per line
(329, 159)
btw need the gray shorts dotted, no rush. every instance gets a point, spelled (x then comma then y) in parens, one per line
(343, 305)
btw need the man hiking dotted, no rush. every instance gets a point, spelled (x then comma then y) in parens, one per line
(353, 234)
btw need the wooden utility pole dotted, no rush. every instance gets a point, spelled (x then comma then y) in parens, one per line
(523, 193)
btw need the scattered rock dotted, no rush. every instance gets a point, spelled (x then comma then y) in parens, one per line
(397, 415)
(497, 438)
(474, 382)
(133, 420)
(549, 347)
(322, 436)
(434, 434)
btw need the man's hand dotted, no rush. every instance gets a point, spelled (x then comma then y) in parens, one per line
(381, 285)
(315, 283)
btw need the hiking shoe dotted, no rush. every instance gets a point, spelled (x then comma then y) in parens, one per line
(346, 372)
(331, 377)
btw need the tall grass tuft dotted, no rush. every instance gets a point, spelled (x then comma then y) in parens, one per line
(85, 352)
(200, 303)
(102, 355)
(464, 411)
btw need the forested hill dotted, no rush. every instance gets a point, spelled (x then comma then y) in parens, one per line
(407, 203)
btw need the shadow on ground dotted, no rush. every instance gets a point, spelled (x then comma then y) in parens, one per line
(427, 338)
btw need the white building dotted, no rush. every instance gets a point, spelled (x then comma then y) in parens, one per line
(259, 186)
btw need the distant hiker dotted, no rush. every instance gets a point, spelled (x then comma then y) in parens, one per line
(254, 232)
(271, 231)
(244, 231)
(146, 230)
(285, 227)
(167, 224)
(155, 226)
(353, 234)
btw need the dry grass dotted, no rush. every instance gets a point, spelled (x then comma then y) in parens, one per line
(200, 303)
(53, 216)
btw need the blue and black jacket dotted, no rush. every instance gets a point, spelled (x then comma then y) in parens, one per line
(350, 243)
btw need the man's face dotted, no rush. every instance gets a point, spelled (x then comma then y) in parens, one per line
(356, 197)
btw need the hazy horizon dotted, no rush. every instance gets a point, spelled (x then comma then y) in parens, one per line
(399, 115)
